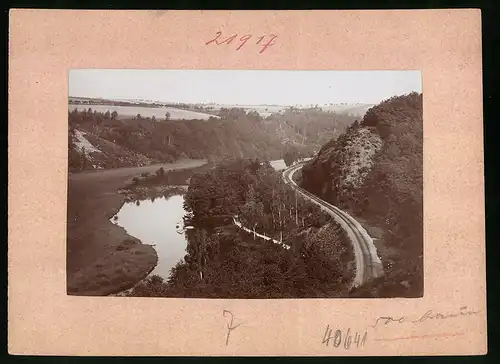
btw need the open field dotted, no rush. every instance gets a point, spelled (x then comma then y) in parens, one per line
(263, 110)
(353, 109)
(180, 114)
(101, 257)
(132, 111)
(266, 110)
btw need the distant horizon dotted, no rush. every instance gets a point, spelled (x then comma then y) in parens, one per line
(244, 87)
(208, 103)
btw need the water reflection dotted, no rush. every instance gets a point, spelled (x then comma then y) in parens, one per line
(278, 164)
(157, 221)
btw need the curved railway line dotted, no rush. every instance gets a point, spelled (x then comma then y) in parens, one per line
(368, 264)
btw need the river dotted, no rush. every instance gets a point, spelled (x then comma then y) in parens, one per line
(159, 223)
(278, 164)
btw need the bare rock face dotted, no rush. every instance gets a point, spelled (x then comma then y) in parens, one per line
(375, 171)
(358, 156)
(342, 165)
(89, 151)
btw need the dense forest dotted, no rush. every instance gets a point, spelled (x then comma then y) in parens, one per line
(237, 134)
(224, 261)
(313, 126)
(375, 170)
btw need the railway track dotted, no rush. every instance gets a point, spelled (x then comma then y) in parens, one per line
(368, 264)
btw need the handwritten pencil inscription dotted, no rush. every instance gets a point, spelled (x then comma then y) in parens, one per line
(263, 42)
(429, 315)
(345, 339)
(230, 325)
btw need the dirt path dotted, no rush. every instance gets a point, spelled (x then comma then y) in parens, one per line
(262, 236)
(101, 257)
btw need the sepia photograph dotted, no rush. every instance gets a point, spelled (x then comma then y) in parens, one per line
(245, 184)
(234, 185)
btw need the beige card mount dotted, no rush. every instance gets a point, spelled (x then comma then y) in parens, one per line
(363, 235)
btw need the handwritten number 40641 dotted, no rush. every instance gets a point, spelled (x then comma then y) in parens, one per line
(345, 339)
(264, 41)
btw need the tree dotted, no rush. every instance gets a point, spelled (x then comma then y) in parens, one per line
(206, 247)
(90, 114)
(291, 155)
(107, 115)
(83, 161)
(74, 158)
(160, 173)
(74, 117)
(138, 117)
(114, 115)
(279, 204)
(254, 115)
(252, 210)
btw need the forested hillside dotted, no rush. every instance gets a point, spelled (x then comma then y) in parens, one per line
(223, 261)
(375, 170)
(311, 127)
(237, 134)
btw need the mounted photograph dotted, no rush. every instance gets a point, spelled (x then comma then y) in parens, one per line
(245, 184)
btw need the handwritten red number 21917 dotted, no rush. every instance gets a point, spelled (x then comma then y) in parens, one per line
(243, 40)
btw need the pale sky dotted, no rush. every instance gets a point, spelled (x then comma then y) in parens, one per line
(247, 87)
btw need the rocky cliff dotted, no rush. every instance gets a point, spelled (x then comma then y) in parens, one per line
(374, 170)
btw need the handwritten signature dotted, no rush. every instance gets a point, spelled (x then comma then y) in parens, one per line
(230, 326)
(429, 315)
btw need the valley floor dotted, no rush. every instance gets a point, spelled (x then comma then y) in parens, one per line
(101, 257)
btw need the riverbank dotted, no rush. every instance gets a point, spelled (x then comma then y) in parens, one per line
(224, 259)
(140, 193)
(102, 258)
